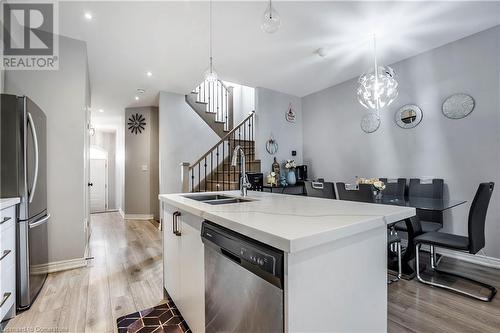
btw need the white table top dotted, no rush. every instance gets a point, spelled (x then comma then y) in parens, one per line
(292, 223)
(7, 202)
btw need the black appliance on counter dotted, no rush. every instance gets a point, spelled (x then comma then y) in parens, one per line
(302, 173)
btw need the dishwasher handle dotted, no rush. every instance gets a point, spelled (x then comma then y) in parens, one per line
(230, 256)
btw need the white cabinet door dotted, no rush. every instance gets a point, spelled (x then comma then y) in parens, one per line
(192, 305)
(171, 256)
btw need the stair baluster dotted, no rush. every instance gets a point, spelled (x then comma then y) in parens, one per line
(209, 178)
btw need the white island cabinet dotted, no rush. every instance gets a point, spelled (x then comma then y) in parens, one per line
(335, 256)
(183, 269)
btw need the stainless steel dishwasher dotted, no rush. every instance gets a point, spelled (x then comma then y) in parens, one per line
(243, 283)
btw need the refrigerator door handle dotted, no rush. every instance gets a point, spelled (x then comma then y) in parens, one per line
(35, 143)
(39, 222)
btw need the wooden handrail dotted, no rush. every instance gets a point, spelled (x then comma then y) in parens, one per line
(222, 140)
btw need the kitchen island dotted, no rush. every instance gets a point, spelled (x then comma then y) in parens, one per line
(334, 256)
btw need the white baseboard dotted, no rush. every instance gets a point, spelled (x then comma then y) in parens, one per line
(58, 266)
(472, 258)
(145, 217)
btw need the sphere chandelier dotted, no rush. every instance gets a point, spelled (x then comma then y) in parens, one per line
(379, 88)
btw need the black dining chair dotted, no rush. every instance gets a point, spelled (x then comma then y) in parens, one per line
(361, 192)
(394, 245)
(394, 187)
(319, 190)
(471, 244)
(430, 220)
(364, 193)
(257, 181)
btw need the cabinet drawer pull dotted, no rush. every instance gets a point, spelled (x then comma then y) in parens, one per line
(5, 253)
(4, 299)
(176, 224)
(5, 219)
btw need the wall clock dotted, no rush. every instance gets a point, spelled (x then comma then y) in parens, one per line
(136, 123)
(458, 106)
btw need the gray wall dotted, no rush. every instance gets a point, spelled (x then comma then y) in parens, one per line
(141, 150)
(464, 152)
(62, 94)
(184, 137)
(270, 109)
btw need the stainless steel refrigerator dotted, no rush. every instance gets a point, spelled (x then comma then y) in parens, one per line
(24, 174)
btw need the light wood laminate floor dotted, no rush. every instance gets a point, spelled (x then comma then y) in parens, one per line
(126, 276)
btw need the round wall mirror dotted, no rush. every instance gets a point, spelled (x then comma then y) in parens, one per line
(458, 106)
(370, 123)
(408, 116)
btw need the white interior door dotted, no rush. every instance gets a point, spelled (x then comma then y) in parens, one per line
(98, 188)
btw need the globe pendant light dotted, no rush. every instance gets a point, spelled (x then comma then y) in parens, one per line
(271, 21)
(210, 74)
(379, 88)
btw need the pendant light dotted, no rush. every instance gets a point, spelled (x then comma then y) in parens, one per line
(210, 74)
(271, 21)
(379, 88)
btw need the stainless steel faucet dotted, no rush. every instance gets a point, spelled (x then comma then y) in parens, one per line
(244, 183)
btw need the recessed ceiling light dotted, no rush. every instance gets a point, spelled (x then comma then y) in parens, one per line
(88, 15)
(101, 110)
(149, 74)
(136, 98)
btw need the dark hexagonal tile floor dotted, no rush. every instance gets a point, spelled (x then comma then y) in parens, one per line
(163, 318)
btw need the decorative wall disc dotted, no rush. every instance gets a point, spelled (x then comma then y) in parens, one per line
(136, 123)
(370, 122)
(408, 116)
(458, 106)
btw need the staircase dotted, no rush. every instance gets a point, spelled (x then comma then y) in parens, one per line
(213, 102)
(213, 170)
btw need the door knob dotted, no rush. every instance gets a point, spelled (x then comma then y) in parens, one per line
(90, 184)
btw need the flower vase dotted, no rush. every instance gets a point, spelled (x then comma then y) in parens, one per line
(290, 177)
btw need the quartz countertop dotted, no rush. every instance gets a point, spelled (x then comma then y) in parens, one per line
(291, 223)
(7, 202)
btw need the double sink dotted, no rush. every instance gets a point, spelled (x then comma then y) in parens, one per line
(216, 199)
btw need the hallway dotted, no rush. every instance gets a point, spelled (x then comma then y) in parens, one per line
(124, 277)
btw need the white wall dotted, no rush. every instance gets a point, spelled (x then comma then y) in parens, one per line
(62, 95)
(270, 109)
(243, 101)
(184, 137)
(464, 152)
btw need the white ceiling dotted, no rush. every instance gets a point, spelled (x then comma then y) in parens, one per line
(170, 39)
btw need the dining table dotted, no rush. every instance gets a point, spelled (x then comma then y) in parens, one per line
(413, 225)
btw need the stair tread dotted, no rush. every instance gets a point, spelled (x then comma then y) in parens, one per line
(199, 102)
